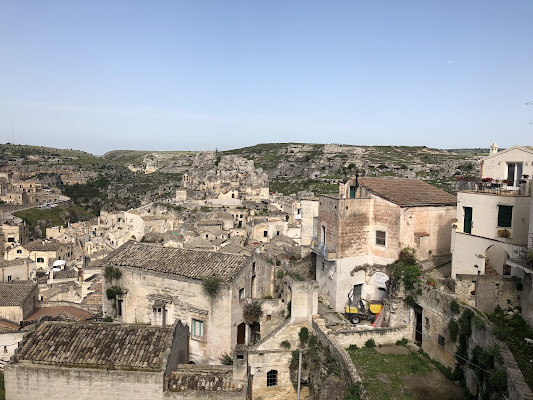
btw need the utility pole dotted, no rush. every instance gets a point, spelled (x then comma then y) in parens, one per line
(299, 372)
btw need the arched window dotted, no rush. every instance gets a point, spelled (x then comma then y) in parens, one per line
(272, 378)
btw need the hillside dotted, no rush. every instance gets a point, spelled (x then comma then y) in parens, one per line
(122, 179)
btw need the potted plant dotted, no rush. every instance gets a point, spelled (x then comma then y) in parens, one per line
(504, 233)
(432, 281)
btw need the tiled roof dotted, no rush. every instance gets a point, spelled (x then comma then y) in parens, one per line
(195, 264)
(98, 345)
(14, 294)
(68, 312)
(42, 245)
(408, 192)
(15, 262)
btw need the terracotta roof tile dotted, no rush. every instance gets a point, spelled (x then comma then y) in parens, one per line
(195, 264)
(98, 345)
(408, 192)
(68, 312)
(14, 294)
(42, 245)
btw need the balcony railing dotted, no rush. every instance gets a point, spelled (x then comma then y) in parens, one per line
(327, 251)
(501, 189)
(518, 252)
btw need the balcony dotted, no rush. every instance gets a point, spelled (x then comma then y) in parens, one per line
(326, 251)
(496, 188)
(518, 258)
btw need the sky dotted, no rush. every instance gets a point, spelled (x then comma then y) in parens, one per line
(101, 75)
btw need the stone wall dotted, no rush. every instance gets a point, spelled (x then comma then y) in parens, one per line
(337, 350)
(25, 381)
(489, 291)
(211, 381)
(380, 335)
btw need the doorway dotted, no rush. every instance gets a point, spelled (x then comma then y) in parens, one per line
(241, 333)
(418, 324)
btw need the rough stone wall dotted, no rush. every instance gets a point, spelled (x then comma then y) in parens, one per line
(490, 291)
(42, 382)
(337, 351)
(385, 216)
(380, 335)
(217, 379)
(354, 230)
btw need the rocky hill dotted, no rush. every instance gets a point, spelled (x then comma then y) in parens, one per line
(125, 178)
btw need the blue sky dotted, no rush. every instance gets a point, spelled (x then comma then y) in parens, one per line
(195, 75)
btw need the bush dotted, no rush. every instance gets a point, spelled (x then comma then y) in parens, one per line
(107, 319)
(252, 311)
(212, 285)
(113, 292)
(370, 343)
(313, 340)
(410, 300)
(280, 274)
(501, 332)
(454, 307)
(402, 342)
(354, 392)
(304, 335)
(226, 359)
(112, 273)
(478, 322)
(408, 274)
(352, 347)
(285, 344)
(498, 380)
(453, 329)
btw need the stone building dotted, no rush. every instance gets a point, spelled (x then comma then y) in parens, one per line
(18, 300)
(508, 165)
(93, 361)
(43, 252)
(160, 285)
(368, 223)
(20, 269)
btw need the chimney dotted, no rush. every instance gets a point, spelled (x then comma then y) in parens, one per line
(493, 149)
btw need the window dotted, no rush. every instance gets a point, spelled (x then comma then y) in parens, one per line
(277, 233)
(381, 238)
(265, 233)
(241, 294)
(272, 378)
(269, 317)
(505, 216)
(9, 279)
(253, 268)
(441, 340)
(323, 236)
(119, 307)
(427, 323)
(40, 260)
(11, 240)
(352, 192)
(197, 328)
(19, 251)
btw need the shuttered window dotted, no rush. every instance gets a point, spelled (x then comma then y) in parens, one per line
(505, 216)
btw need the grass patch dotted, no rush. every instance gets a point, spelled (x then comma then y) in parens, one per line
(58, 215)
(385, 375)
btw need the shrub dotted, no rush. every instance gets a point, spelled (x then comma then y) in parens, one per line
(498, 380)
(501, 332)
(352, 347)
(313, 340)
(370, 343)
(113, 292)
(107, 319)
(402, 342)
(504, 233)
(304, 335)
(285, 344)
(354, 392)
(454, 307)
(529, 257)
(252, 311)
(453, 329)
(280, 274)
(112, 273)
(407, 256)
(519, 286)
(408, 274)
(226, 359)
(410, 300)
(478, 322)
(212, 285)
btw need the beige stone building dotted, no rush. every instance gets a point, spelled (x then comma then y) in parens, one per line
(508, 165)
(20, 269)
(368, 223)
(161, 285)
(42, 252)
(18, 300)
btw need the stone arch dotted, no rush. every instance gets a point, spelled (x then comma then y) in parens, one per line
(496, 257)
